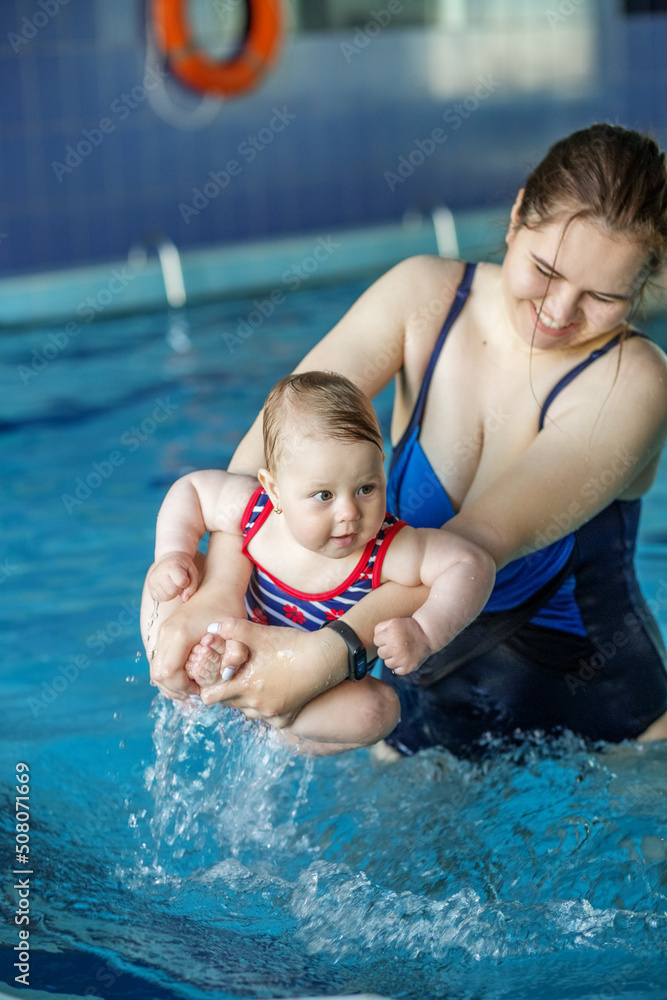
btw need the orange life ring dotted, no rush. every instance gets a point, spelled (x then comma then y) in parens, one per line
(196, 69)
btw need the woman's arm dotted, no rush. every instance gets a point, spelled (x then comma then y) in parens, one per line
(394, 322)
(288, 667)
(222, 589)
(596, 446)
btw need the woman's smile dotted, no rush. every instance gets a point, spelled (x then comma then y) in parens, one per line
(549, 326)
(566, 285)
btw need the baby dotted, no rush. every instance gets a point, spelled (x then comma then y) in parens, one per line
(315, 527)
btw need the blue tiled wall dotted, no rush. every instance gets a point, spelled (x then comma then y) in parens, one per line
(345, 119)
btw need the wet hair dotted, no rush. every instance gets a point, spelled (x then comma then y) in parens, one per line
(316, 402)
(608, 175)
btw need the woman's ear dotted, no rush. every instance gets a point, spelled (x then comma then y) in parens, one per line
(514, 217)
(269, 486)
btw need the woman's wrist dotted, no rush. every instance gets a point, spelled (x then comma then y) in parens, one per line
(358, 660)
(330, 656)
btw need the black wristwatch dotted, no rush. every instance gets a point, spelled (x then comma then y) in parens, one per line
(356, 651)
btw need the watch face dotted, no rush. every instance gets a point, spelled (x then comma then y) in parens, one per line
(357, 657)
(360, 663)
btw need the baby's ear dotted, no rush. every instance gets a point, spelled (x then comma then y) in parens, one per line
(269, 485)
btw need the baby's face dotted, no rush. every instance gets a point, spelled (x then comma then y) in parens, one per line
(333, 494)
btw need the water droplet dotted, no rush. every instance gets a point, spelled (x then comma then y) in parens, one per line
(153, 619)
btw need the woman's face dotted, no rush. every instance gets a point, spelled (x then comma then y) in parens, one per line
(568, 286)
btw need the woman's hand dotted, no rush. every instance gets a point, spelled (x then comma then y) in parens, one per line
(222, 587)
(208, 662)
(286, 668)
(176, 637)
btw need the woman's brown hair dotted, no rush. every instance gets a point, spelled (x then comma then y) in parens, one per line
(609, 175)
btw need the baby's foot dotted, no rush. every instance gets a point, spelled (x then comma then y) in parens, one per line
(214, 659)
(204, 664)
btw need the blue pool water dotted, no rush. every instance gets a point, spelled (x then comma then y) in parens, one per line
(184, 854)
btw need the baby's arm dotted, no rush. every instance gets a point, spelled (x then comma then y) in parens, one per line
(461, 576)
(210, 500)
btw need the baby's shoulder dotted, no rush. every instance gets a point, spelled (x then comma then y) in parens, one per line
(403, 557)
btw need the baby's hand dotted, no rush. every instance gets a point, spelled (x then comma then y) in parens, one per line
(402, 644)
(174, 574)
(213, 659)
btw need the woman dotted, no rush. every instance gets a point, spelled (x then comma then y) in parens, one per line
(529, 418)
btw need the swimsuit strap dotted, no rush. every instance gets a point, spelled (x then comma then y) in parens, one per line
(571, 375)
(460, 299)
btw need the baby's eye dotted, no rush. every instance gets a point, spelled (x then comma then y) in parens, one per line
(600, 298)
(323, 495)
(545, 274)
(367, 489)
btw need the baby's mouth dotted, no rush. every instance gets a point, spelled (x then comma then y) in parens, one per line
(344, 540)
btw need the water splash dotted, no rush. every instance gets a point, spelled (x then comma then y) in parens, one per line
(152, 620)
(219, 789)
(429, 869)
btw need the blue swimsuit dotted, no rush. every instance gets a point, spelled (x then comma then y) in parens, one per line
(566, 640)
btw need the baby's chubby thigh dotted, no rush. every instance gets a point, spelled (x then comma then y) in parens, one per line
(353, 714)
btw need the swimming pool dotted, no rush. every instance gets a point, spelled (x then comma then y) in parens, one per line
(184, 854)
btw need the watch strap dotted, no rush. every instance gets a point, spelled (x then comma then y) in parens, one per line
(356, 651)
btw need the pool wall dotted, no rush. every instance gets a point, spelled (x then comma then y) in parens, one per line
(271, 268)
(345, 122)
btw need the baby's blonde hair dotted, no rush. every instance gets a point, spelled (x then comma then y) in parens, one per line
(317, 402)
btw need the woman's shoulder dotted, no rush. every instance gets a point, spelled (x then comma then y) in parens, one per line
(424, 271)
(631, 379)
(429, 285)
(431, 278)
(643, 365)
(642, 350)
(639, 366)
